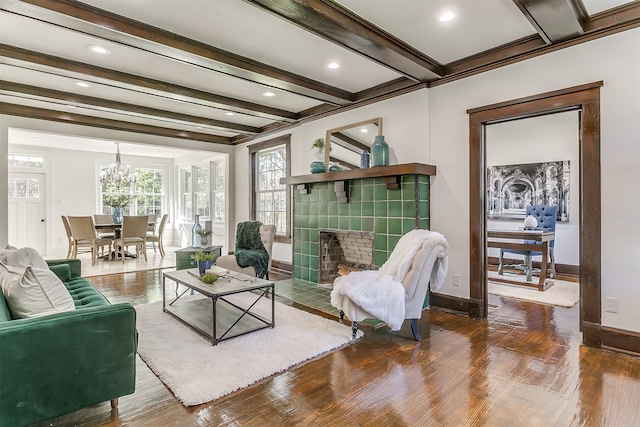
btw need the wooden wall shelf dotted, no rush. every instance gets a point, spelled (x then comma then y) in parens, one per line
(374, 172)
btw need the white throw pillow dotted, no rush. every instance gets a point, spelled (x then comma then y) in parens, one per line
(23, 257)
(33, 292)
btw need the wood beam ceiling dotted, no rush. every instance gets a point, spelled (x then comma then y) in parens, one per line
(554, 20)
(87, 19)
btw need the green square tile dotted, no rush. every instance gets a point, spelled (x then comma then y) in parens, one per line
(313, 195)
(355, 223)
(409, 191)
(296, 259)
(424, 224)
(380, 192)
(343, 222)
(313, 221)
(392, 241)
(323, 208)
(395, 209)
(367, 224)
(379, 181)
(367, 208)
(296, 272)
(323, 195)
(304, 209)
(380, 225)
(395, 226)
(409, 209)
(408, 179)
(394, 194)
(424, 191)
(313, 276)
(380, 242)
(380, 257)
(355, 208)
(313, 236)
(424, 208)
(313, 248)
(304, 274)
(355, 193)
(323, 221)
(333, 208)
(304, 235)
(367, 193)
(305, 248)
(304, 261)
(343, 209)
(408, 225)
(380, 209)
(297, 220)
(423, 179)
(333, 222)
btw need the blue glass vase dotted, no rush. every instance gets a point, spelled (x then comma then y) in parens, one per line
(117, 215)
(379, 152)
(195, 233)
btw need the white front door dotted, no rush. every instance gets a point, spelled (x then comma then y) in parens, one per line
(27, 211)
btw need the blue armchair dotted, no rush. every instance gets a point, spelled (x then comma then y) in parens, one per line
(546, 216)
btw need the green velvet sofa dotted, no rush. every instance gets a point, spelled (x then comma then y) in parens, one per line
(59, 363)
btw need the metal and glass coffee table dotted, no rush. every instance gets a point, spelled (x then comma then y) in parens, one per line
(219, 316)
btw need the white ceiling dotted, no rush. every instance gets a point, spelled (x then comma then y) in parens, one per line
(174, 78)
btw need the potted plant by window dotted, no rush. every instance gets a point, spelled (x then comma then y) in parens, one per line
(204, 237)
(204, 259)
(118, 202)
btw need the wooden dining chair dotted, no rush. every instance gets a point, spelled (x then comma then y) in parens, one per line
(101, 219)
(84, 235)
(157, 238)
(67, 229)
(134, 233)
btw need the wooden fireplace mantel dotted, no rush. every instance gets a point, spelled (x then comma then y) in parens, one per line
(391, 174)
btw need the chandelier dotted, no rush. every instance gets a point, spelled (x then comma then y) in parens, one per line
(117, 175)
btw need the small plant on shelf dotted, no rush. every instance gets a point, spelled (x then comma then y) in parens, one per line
(204, 256)
(318, 144)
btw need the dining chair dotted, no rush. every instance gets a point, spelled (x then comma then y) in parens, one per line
(134, 233)
(84, 234)
(101, 219)
(67, 229)
(157, 238)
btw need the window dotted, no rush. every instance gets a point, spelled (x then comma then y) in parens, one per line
(148, 189)
(203, 191)
(26, 161)
(149, 193)
(270, 199)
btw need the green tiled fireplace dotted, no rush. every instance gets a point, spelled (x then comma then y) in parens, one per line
(371, 207)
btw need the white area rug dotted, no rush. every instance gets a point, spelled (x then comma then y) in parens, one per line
(197, 372)
(562, 293)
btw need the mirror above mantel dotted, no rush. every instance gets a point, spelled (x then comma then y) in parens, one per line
(344, 145)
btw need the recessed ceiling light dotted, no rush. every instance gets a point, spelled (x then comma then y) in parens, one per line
(98, 49)
(82, 84)
(364, 130)
(333, 65)
(268, 94)
(229, 113)
(447, 16)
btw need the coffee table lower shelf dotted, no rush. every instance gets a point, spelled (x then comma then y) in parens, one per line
(229, 320)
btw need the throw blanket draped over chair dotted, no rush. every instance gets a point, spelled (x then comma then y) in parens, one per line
(382, 293)
(249, 248)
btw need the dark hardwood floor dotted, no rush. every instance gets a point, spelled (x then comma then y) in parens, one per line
(526, 366)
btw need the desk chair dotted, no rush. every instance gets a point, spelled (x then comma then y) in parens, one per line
(546, 216)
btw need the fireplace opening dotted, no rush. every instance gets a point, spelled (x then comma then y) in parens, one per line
(343, 251)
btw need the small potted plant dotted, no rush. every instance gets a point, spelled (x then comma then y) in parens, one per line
(204, 237)
(204, 260)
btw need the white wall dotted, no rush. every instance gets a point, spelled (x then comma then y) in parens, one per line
(547, 138)
(614, 60)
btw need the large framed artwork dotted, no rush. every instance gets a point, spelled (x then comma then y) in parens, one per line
(511, 188)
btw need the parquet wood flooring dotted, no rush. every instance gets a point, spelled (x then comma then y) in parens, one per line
(525, 366)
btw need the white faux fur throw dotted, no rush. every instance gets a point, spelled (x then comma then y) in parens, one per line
(377, 294)
(381, 293)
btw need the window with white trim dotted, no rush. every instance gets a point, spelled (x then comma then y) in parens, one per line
(202, 191)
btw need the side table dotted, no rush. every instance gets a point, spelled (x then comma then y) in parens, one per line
(186, 257)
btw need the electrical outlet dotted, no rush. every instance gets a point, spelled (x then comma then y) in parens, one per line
(456, 280)
(612, 304)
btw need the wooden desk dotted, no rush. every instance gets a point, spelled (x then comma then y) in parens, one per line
(516, 239)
